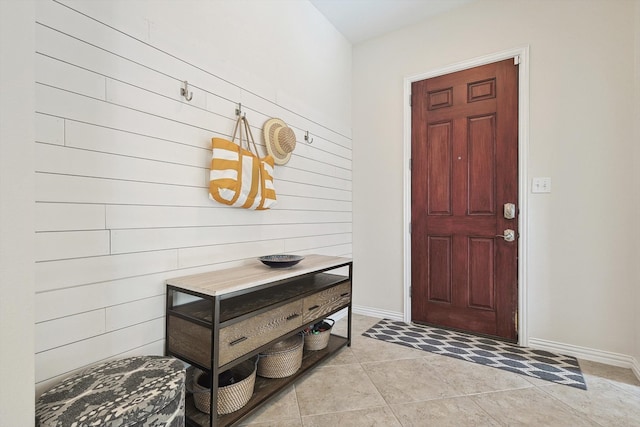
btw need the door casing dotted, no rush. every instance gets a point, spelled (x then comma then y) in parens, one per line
(522, 55)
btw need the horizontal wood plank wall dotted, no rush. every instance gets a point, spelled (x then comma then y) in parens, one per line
(121, 188)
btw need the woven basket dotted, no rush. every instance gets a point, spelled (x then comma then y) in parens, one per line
(282, 359)
(320, 340)
(231, 397)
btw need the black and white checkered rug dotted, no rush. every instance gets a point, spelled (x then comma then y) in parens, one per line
(485, 351)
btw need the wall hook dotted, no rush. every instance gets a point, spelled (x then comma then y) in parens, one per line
(185, 92)
(306, 137)
(239, 110)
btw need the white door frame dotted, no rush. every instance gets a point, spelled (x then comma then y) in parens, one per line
(519, 54)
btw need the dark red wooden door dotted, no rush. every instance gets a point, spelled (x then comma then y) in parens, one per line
(464, 155)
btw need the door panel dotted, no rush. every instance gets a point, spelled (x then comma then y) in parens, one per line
(440, 269)
(464, 168)
(481, 284)
(482, 168)
(440, 168)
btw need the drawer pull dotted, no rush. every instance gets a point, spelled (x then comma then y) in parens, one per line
(293, 316)
(344, 294)
(238, 341)
(314, 307)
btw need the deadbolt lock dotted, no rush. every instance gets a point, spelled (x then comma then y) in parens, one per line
(509, 210)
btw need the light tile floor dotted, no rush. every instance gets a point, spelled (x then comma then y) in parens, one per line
(373, 383)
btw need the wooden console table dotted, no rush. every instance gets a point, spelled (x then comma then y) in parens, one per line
(218, 319)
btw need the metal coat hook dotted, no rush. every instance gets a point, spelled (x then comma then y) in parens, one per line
(306, 137)
(185, 92)
(239, 110)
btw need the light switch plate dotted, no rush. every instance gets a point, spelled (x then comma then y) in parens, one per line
(541, 185)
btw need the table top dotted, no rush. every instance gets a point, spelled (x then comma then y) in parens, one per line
(255, 273)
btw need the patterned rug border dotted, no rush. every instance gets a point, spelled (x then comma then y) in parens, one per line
(540, 364)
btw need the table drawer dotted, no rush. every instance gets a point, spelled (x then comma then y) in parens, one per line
(242, 337)
(189, 339)
(324, 302)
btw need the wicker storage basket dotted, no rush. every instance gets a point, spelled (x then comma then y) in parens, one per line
(282, 359)
(319, 340)
(231, 397)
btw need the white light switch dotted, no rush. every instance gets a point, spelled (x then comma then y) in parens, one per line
(541, 185)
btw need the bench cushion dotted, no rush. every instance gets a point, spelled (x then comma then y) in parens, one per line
(136, 391)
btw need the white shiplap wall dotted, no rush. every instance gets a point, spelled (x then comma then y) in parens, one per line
(121, 183)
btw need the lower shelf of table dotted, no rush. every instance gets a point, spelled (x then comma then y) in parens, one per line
(265, 388)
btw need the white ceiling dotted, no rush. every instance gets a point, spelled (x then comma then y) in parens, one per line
(360, 20)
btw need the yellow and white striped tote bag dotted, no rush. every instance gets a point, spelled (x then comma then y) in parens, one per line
(239, 177)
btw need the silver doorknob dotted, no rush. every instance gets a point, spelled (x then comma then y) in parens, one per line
(509, 235)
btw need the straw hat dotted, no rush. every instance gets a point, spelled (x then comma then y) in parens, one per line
(279, 139)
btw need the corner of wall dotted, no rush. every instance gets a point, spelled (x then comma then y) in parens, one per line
(636, 162)
(17, 20)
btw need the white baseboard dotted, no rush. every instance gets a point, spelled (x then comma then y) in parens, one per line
(636, 367)
(367, 311)
(339, 315)
(606, 357)
(376, 312)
